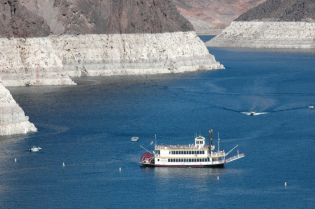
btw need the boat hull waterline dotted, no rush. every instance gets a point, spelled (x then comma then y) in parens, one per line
(185, 166)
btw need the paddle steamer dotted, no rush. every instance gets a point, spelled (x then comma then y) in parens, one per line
(193, 155)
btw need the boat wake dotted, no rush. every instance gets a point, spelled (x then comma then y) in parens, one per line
(254, 113)
(290, 109)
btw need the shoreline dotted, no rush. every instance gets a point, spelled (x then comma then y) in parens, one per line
(54, 60)
(286, 35)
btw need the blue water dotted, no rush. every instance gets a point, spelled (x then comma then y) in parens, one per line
(89, 127)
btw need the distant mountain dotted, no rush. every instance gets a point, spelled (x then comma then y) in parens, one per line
(38, 18)
(273, 24)
(207, 16)
(281, 10)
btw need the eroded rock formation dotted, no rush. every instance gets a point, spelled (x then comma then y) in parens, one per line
(298, 35)
(45, 42)
(31, 61)
(12, 117)
(211, 17)
(273, 24)
(51, 60)
(17, 21)
(281, 11)
(39, 18)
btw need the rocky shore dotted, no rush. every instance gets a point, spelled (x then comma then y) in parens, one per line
(12, 117)
(48, 42)
(272, 24)
(297, 35)
(130, 54)
(53, 60)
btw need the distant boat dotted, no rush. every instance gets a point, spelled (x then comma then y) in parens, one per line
(253, 113)
(134, 139)
(311, 106)
(35, 149)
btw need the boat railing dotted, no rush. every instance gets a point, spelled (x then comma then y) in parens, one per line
(190, 146)
(218, 154)
(235, 157)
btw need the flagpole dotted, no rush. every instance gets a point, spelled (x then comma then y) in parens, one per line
(218, 142)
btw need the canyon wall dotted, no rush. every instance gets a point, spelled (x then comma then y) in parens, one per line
(12, 117)
(211, 17)
(31, 61)
(51, 60)
(46, 42)
(296, 35)
(39, 18)
(273, 24)
(129, 54)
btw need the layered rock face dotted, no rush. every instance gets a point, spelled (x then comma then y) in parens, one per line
(154, 27)
(281, 11)
(298, 35)
(42, 51)
(273, 24)
(46, 41)
(17, 21)
(211, 17)
(51, 60)
(31, 61)
(129, 54)
(12, 117)
(38, 18)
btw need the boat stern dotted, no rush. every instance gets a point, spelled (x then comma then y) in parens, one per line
(147, 159)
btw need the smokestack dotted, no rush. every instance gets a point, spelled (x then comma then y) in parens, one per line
(210, 139)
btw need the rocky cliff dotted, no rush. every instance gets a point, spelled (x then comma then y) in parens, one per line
(46, 42)
(211, 17)
(273, 24)
(12, 117)
(39, 18)
(51, 60)
(281, 11)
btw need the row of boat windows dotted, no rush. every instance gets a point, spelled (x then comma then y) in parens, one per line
(189, 160)
(187, 152)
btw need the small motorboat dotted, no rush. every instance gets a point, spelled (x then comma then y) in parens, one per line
(35, 149)
(134, 139)
(310, 106)
(253, 113)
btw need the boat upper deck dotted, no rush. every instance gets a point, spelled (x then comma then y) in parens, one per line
(199, 144)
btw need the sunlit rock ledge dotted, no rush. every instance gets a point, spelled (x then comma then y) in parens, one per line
(298, 35)
(12, 117)
(31, 61)
(53, 60)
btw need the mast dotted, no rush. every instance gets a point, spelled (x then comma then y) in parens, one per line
(218, 143)
(155, 141)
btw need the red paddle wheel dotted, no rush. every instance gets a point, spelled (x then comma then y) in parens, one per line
(146, 158)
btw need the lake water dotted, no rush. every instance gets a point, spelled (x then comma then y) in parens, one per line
(89, 127)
